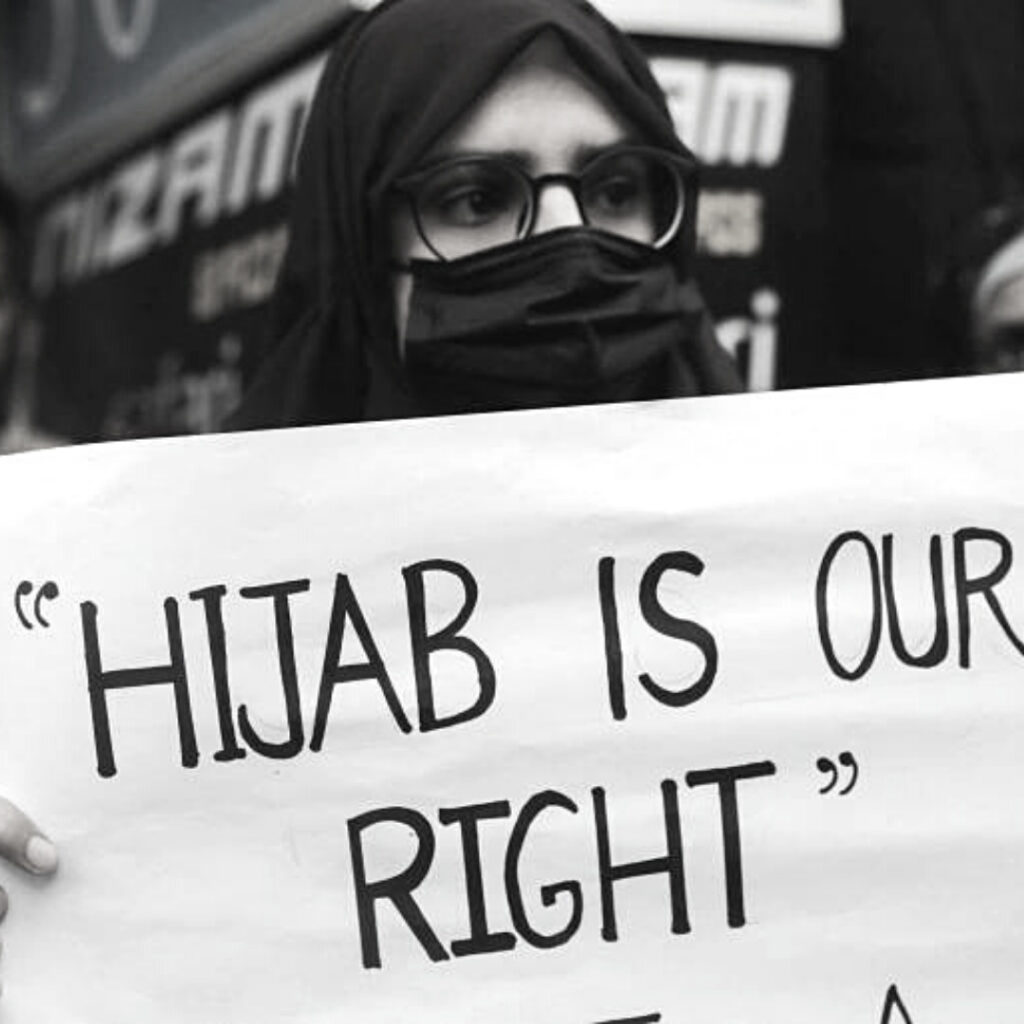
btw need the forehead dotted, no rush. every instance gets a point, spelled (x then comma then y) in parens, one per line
(542, 107)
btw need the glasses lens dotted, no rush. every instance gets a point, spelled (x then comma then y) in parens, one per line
(638, 196)
(470, 205)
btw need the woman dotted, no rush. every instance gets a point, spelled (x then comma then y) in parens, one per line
(478, 226)
(416, 284)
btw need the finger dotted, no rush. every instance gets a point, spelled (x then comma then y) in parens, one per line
(23, 843)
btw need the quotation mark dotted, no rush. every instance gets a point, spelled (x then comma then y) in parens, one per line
(47, 592)
(831, 769)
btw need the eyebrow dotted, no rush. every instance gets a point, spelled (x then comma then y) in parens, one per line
(524, 158)
(519, 156)
(584, 154)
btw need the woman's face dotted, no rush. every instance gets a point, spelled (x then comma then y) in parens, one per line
(543, 114)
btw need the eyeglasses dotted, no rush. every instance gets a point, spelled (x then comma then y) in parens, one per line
(467, 204)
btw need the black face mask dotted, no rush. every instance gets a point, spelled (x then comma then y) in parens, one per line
(564, 318)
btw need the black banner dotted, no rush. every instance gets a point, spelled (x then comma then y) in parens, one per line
(756, 118)
(152, 277)
(81, 79)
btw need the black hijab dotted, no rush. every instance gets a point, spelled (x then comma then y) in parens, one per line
(395, 80)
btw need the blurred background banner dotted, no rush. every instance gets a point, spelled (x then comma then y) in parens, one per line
(155, 143)
(152, 276)
(810, 22)
(81, 79)
(864, 168)
(755, 116)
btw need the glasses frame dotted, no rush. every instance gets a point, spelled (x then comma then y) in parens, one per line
(684, 170)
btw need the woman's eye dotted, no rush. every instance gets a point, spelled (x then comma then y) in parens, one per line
(469, 198)
(620, 193)
(474, 205)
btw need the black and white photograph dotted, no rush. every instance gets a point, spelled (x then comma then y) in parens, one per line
(510, 511)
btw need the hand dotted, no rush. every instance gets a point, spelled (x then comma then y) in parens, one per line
(22, 843)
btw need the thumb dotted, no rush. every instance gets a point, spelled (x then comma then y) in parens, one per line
(22, 843)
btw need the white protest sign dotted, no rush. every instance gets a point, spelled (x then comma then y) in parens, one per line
(692, 712)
